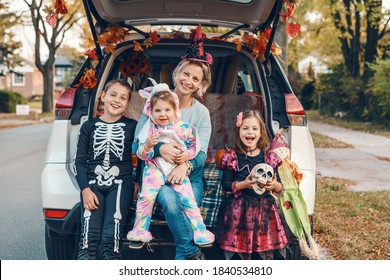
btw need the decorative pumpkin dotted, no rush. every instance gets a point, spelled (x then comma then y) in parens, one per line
(218, 157)
(134, 160)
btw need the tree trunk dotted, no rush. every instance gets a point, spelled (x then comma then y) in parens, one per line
(374, 16)
(48, 90)
(350, 35)
(47, 101)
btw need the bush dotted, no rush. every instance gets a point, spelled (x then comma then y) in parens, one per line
(9, 100)
(380, 84)
(340, 94)
(307, 94)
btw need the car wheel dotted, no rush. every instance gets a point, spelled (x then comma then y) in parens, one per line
(59, 247)
(294, 252)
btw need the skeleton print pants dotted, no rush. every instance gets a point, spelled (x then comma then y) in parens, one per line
(153, 180)
(102, 229)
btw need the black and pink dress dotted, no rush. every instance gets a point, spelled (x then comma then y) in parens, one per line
(249, 222)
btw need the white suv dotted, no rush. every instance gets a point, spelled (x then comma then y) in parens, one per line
(239, 82)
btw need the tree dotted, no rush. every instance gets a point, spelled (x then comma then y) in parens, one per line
(52, 38)
(353, 19)
(9, 47)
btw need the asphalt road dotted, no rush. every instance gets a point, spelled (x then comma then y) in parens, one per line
(366, 163)
(22, 153)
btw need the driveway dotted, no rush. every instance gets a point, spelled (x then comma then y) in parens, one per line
(366, 164)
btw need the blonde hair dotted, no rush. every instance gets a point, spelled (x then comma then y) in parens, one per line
(263, 143)
(206, 69)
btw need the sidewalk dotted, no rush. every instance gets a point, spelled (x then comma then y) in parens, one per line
(11, 120)
(367, 164)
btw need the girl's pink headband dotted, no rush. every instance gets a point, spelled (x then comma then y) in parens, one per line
(239, 120)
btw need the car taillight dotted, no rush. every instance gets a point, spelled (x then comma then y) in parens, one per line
(64, 104)
(54, 213)
(295, 112)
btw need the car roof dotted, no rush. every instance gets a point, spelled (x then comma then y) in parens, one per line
(222, 13)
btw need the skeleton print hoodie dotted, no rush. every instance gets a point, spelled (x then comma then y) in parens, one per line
(104, 152)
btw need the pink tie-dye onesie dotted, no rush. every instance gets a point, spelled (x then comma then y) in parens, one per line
(154, 178)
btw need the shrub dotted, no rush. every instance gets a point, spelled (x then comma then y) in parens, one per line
(380, 84)
(9, 100)
(340, 94)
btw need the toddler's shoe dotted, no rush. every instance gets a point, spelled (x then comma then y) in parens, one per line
(138, 237)
(136, 244)
(204, 238)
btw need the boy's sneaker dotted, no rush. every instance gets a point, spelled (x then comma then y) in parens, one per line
(136, 244)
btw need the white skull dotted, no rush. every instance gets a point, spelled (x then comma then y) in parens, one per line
(261, 173)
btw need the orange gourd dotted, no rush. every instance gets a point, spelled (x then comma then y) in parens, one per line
(218, 157)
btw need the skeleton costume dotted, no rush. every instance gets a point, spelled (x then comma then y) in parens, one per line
(249, 222)
(103, 163)
(157, 170)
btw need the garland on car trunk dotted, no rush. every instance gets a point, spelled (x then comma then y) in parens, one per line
(137, 65)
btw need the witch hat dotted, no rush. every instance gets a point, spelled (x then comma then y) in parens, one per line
(195, 51)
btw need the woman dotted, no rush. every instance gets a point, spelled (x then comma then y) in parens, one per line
(192, 76)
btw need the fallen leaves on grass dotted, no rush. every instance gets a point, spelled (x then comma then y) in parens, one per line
(322, 141)
(352, 225)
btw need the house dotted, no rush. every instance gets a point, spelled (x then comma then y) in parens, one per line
(27, 80)
(62, 66)
(318, 66)
(24, 79)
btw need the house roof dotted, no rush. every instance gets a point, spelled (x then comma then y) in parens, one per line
(26, 67)
(62, 61)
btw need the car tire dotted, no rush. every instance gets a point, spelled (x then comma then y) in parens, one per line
(294, 252)
(293, 249)
(59, 247)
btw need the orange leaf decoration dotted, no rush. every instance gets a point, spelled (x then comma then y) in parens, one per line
(88, 80)
(51, 19)
(110, 38)
(154, 37)
(137, 46)
(288, 13)
(60, 7)
(238, 44)
(148, 43)
(102, 39)
(267, 32)
(91, 54)
(276, 50)
(293, 29)
(110, 48)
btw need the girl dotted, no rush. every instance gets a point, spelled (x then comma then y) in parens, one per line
(103, 172)
(191, 77)
(250, 223)
(163, 108)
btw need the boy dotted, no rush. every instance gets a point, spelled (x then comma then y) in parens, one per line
(104, 174)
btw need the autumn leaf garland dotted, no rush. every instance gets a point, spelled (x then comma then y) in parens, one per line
(293, 28)
(113, 35)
